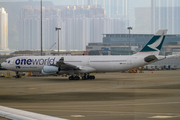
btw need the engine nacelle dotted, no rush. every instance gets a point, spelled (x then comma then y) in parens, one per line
(50, 70)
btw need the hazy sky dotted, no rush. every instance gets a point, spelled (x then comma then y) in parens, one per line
(138, 3)
(141, 3)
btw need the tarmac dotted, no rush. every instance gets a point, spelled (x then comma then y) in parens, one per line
(111, 96)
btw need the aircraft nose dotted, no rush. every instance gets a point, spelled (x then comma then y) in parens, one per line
(2, 65)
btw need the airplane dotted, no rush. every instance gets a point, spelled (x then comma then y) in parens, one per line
(82, 66)
(16, 114)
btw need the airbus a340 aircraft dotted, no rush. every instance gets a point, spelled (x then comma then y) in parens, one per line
(82, 66)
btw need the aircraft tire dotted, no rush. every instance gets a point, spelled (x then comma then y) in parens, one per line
(77, 78)
(83, 78)
(17, 76)
(71, 78)
(92, 77)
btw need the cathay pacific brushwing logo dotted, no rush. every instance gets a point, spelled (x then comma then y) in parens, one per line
(156, 44)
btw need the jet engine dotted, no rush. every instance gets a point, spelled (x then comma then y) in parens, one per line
(50, 70)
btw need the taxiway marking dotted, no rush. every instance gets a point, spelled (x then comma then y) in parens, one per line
(163, 117)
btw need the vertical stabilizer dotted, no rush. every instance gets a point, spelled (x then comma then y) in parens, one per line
(154, 46)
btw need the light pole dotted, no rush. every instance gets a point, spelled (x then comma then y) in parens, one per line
(58, 38)
(130, 28)
(41, 28)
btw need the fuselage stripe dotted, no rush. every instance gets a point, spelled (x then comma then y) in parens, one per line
(147, 51)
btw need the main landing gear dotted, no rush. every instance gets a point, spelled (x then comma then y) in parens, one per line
(84, 77)
(88, 77)
(74, 78)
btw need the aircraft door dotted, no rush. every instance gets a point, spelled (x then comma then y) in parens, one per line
(12, 62)
(88, 62)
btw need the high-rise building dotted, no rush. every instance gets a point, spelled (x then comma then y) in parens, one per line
(3, 29)
(80, 2)
(80, 11)
(30, 27)
(86, 24)
(165, 15)
(113, 8)
(81, 31)
(79, 25)
(142, 20)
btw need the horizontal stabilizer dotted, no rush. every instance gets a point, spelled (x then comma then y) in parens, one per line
(172, 56)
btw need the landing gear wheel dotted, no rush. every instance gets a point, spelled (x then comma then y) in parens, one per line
(88, 77)
(83, 78)
(74, 78)
(91, 77)
(17, 76)
(77, 78)
(71, 78)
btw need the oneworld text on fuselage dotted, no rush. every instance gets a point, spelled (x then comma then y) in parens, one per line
(41, 61)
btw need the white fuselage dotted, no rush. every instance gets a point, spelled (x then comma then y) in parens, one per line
(98, 63)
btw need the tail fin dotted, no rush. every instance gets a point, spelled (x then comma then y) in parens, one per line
(153, 47)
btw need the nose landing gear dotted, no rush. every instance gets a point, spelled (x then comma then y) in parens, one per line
(17, 75)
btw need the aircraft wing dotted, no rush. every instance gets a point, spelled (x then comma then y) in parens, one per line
(15, 114)
(65, 66)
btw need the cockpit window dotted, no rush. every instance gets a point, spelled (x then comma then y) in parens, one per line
(9, 61)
